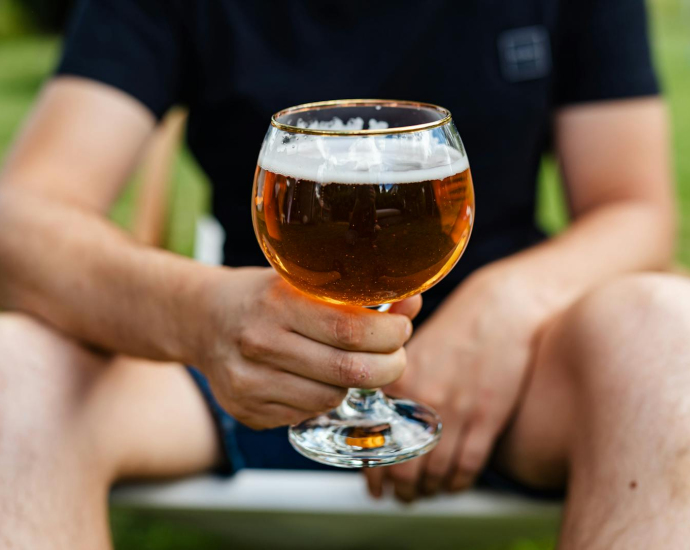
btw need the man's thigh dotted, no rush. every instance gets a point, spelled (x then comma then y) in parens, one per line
(587, 355)
(136, 418)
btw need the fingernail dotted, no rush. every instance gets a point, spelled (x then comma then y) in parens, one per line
(408, 329)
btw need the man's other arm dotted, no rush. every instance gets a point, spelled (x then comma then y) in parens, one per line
(614, 158)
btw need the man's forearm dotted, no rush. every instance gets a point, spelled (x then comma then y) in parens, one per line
(81, 274)
(608, 241)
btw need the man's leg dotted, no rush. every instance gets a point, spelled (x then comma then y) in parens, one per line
(73, 421)
(608, 410)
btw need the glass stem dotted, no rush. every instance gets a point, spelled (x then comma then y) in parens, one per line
(363, 400)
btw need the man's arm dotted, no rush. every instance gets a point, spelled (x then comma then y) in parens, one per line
(614, 159)
(60, 259)
(273, 355)
(471, 359)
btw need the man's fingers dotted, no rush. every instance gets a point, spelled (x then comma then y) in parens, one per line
(273, 415)
(322, 363)
(374, 477)
(298, 392)
(438, 465)
(277, 414)
(410, 307)
(473, 455)
(349, 327)
(405, 478)
(409, 385)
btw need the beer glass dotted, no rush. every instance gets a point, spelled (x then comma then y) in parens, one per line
(364, 202)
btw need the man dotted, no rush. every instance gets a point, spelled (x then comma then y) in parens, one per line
(553, 363)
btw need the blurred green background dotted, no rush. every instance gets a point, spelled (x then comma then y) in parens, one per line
(29, 46)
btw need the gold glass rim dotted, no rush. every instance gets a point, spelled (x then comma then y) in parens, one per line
(363, 103)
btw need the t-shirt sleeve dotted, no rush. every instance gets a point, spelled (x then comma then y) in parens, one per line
(603, 52)
(132, 45)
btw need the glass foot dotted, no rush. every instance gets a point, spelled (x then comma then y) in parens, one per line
(368, 430)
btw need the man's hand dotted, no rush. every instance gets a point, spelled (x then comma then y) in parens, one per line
(469, 362)
(277, 357)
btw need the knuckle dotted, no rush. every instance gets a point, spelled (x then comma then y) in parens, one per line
(268, 299)
(349, 370)
(461, 406)
(421, 355)
(332, 399)
(395, 331)
(403, 329)
(388, 369)
(434, 398)
(252, 344)
(273, 290)
(349, 330)
(239, 384)
(435, 401)
(399, 362)
(435, 469)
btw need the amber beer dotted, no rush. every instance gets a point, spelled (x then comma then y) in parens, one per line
(363, 243)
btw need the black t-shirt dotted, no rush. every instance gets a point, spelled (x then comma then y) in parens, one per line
(501, 66)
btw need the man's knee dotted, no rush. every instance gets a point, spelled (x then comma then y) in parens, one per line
(629, 322)
(626, 349)
(43, 375)
(634, 312)
(38, 360)
(621, 350)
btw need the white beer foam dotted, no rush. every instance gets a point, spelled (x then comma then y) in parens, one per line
(336, 123)
(359, 160)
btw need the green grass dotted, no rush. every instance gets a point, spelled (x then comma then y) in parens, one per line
(13, 19)
(25, 63)
(672, 47)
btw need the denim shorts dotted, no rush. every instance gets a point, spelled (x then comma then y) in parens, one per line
(243, 447)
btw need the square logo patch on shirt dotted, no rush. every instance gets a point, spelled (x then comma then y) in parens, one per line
(525, 53)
